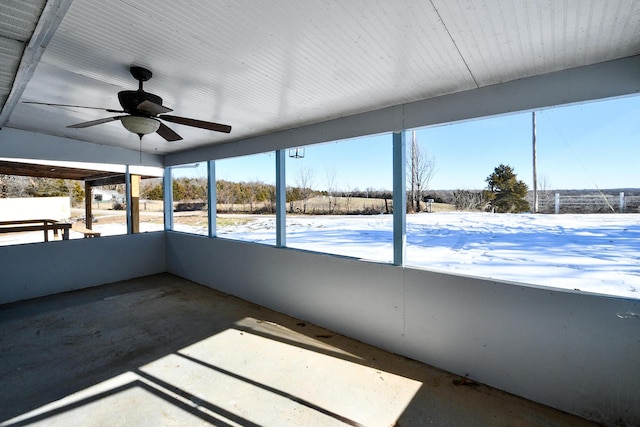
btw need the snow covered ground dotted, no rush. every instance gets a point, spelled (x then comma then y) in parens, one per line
(592, 253)
(597, 253)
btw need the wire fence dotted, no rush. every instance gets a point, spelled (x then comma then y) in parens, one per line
(588, 203)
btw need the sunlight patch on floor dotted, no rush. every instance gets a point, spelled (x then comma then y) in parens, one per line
(258, 373)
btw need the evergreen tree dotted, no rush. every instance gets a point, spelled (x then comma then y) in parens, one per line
(77, 192)
(151, 191)
(504, 192)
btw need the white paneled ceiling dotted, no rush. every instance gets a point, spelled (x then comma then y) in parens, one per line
(19, 19)
(264, 66)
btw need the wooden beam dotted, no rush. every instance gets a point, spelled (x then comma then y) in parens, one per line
(95, 177)
(88, 198)
(110, 180)
(135, 203)
(52, 171)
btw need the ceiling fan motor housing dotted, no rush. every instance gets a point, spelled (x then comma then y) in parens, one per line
(130, 99)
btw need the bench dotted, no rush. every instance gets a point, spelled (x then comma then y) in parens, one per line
(45, 225)
(87, 233)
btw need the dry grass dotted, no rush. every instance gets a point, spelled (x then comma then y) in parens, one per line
(442, 207)
(317, 205)
(351, 205)
(196, 219)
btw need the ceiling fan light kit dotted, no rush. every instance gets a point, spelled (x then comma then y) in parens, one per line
(140, 125)
(144, 111)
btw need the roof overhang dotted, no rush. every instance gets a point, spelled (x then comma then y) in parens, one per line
(60, 170)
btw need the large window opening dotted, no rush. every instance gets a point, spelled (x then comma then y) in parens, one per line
(246, 198)
(190, 190)
(339, 198)
(479, 218)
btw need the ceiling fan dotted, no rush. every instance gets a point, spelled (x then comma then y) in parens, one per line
(143, 109)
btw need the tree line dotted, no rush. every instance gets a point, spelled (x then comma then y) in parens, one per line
(27, 186)
(504, 193)
(253, 196)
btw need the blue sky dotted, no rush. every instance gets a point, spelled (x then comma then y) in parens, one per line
(589, 145)
(580, 146)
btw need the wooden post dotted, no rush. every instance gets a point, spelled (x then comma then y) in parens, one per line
(135, 203)
(88, 215)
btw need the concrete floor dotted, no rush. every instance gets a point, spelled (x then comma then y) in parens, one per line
(161, 350)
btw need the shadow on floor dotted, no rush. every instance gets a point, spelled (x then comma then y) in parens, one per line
(162, 350)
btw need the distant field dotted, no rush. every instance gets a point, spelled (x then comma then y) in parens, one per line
(151, 211)
(337, 206)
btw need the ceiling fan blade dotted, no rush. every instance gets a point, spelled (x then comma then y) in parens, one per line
(167, 133)
(95, 122)
(153, 108)
(197, 123)
(108, 110)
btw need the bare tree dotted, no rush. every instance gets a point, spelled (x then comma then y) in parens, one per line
(466, 200)
(4, 186)
(330, 183)
(545, 194)
(421, 167)
(304, 180)
(252, 192)
(369, 191)
(13, 186)
(348, 195)
(224, 194)
(271, 196)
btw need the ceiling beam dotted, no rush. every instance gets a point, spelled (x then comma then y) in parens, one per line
(52, 14)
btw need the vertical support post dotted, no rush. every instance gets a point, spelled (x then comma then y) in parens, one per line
(399, 198)
(135, 203)
(557, 203)
(212, 197)
(622, 204)
(88, 198)
(167, 197)
(535, 164)
(281, 199)
(415, 201)
(127, 198)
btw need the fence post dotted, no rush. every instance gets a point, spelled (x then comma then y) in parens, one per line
(557, 203)
(622, 204)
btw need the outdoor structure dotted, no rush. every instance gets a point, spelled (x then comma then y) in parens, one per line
(287, 74)
(91, 178)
